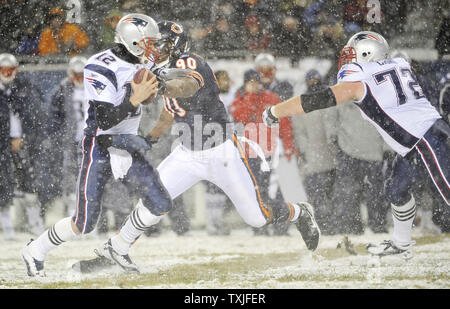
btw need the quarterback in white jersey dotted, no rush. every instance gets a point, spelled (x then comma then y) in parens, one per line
(108, 79)
(110, 146)
(390, 97)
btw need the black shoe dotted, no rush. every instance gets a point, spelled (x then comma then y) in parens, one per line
(307, 226)
(93, 265)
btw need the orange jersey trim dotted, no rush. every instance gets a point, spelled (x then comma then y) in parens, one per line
(267, 211)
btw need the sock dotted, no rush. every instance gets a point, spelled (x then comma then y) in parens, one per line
(52, 238)
(403, 217)
(138, 221)
(294, 212)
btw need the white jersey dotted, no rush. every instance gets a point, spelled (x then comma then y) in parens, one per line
(393, 101)
(107, 78)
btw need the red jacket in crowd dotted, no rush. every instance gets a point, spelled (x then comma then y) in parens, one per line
(247, 108)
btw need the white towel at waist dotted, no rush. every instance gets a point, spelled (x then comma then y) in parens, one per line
(120, 161)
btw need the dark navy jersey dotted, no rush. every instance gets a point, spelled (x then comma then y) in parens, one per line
(203, 114)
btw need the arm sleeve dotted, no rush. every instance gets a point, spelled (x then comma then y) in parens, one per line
(108, 115)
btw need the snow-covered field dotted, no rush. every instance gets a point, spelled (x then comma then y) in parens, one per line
(240, 260)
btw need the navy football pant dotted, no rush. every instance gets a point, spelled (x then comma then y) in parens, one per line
(142, 180)
(429, 156)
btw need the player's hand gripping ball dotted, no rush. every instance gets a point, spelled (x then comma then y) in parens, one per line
(139, 77)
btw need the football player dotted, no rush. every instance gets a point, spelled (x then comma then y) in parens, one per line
(114, 114)
(390, 98)
(208, 150)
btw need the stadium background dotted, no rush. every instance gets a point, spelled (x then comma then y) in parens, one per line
(413, 27)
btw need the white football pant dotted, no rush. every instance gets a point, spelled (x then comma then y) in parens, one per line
(226, 166)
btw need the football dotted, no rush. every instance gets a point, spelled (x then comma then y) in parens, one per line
(139, 75)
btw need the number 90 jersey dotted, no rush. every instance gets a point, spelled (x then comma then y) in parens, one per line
(204, 113)
(393, 102)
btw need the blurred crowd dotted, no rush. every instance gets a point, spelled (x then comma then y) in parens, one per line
(235, 28)
(343, 162)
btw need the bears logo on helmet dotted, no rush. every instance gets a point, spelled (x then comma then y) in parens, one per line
(174, 41)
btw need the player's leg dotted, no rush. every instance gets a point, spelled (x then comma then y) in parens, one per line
(156, 188)
(95, 171)
(231, 173)
(434, 151)
(403, 207)
(262, 178)
(216, 203)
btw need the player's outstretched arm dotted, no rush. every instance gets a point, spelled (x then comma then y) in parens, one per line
(181, 88)
(305, 103)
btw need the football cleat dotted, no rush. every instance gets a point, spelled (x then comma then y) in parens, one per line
(307, 226)
(35, 268)
(388, 247)
(123, 261)
(93, 265)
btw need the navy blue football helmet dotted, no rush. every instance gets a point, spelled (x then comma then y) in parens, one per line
(174, 41)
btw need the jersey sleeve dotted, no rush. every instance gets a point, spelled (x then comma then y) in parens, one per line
(98, 86)
(196, 64)
(351, 72)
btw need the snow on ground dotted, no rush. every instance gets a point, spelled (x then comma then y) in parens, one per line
(240, 260)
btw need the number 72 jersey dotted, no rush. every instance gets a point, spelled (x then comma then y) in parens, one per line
(393, 102)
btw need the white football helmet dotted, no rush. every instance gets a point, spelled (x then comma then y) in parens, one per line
(364, 46)
(139, 33)
(75, 70)
(9, 66)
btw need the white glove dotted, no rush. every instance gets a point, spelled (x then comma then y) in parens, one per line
(269, 119)
(168, 74)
